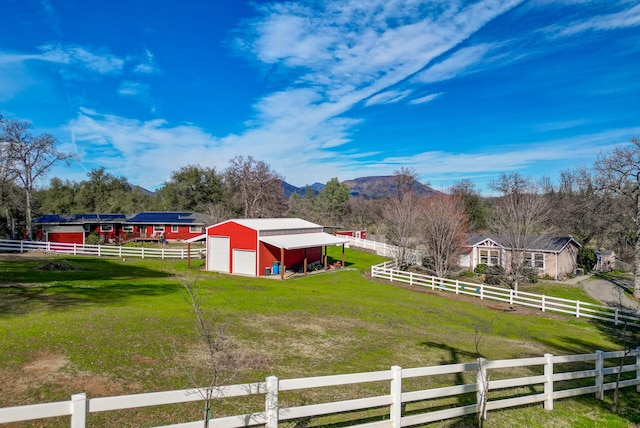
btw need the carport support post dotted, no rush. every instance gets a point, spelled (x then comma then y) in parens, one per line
(324, 257)
(281, 263)
(305, 261)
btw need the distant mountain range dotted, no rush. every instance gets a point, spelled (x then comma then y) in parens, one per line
(368, 187)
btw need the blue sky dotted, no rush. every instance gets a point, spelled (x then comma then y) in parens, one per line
(322, 89)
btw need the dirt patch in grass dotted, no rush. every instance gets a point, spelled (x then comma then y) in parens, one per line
(47, 372)
(55, 265)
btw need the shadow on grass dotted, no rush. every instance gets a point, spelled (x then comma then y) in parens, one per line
(25, 287)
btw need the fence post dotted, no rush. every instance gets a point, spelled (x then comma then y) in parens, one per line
(481, 291)
(543, 308)
(142, 252)
(482, 389)
(120, 251)
(396, 397)
(638, 369)
(79, 410)
(99, 250)
(511, 296)
(577, 308)
(271, 402)
(616, 317)
(48, 246)
(548, 383)
(457, 286)
(162, 253)
(410, 278)
(599, 375)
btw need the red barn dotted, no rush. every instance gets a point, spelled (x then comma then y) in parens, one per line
(250, 246)
(359, 234)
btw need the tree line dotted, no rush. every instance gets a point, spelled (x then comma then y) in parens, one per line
(599, 205)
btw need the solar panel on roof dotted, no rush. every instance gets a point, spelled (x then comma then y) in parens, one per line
(161, 217)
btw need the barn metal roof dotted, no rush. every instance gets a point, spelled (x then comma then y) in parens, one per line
(302, 240)
(263, 224)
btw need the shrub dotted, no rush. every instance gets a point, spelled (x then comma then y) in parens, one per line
(481, 269)
(92, 239)
(494, 275)
(586, 258)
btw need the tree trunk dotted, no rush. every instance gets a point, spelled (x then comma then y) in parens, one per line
(636, 268)
(29, 219)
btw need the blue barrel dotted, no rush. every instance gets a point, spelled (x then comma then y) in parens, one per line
(275, 268)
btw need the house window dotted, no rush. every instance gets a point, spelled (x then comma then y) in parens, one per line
(538, 260)
(490, 257)
(174, 228)
(158, 228)
(127, 228)
(534, 260)
(195, 229)
(106, 228)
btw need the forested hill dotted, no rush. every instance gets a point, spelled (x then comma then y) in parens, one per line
(368, 187)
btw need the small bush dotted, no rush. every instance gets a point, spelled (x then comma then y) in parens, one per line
(481, 269)
(466, 274)
(494, 275)
(92, 239)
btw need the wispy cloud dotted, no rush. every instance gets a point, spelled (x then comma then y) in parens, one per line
(133, 89)
(387, 97)
(147, 65)
(425, 99)
(629, 17)
(102, 63)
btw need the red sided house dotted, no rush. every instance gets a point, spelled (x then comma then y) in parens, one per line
(359, 234)
(253, 246)
(74, 228)
(171, 226)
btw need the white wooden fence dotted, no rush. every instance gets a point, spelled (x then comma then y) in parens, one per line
(551, 378)
(98, 250)
(545, 303)
(386, 250)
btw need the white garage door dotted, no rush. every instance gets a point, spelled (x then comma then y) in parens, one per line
(244, 262)
(218, 253)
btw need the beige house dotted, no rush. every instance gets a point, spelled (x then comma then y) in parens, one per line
(606, 260)
(555, 256)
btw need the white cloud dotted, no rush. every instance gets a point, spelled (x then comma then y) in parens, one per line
(387, 97)
(102, 63)
(133, 89)
(461, 62)
(425, 99)
(623, 19)
(148, 65)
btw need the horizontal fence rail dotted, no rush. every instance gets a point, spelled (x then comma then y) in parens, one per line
(547, 378)
(545, 303)
(99, 250)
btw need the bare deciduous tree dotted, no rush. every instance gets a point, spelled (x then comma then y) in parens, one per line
(618, 173)
(256, 189)
(442, 230)
(216, 212)
(401, 217)
(220, 358)
(31, 157)
(519, 216)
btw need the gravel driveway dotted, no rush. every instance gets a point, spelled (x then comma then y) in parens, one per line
(611, 294)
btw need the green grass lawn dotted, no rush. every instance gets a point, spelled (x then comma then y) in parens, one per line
(111, 327)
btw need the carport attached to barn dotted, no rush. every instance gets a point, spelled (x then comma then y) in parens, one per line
(288, 244)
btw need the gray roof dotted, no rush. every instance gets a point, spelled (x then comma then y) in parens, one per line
(554, 244)
(263, 224)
